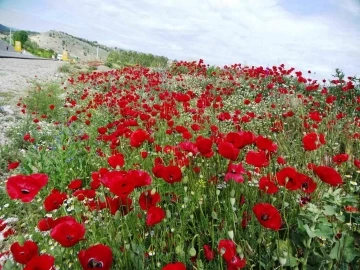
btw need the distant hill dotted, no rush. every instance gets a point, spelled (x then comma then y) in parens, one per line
(77, 47)
(4, 28)
(80, 48)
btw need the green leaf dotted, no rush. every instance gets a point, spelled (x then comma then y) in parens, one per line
(334, 253)
(350, 252)
(337, 192)
(9, 265)
(345, 247)
(324, 231)
(310, 233)
(329, 210)
(291, 261)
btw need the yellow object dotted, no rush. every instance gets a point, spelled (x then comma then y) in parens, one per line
(18, 46)
(65, 56)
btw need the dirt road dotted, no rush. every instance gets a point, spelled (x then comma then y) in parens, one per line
(16, 75)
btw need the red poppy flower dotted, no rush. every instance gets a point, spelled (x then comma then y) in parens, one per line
(116, 160)
(24, 253)
(68, 233)
(357, 163)
(234, 172)
(45, 224)
(181, 129)
(235, 263)
(81, 194)
(13, 165)
(139, 177)
(287, 177)
(228, 150)
(144, 154)
(42, 262)
(268, 186)
(8, 233)
(138, 137)
(195, 127)
(158, 170)
(268, 216)
(118, 183)
(313, 141)
(27, 137)
(281, 160)
(25, 187)
(2, 224)
(171, 174)
(174, 266)
(307, 184)
(240, 139)
(154, 215)
(351, 209)
(189, 147)
(148, 199)
(204, 145)
(208, 252)
(340, 158)
(102, 130)
(97, 256)
(328, 175)
(121, 204)
(54, 200)
(75, 184)
(72, 118)
(257, 159)
(266, 144)
(112, 204)
(227, 249)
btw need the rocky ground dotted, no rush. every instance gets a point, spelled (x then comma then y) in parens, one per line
(16, 76)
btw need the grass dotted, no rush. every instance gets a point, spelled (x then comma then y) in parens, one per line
(41, 97)
(65, 68)
(5, 98)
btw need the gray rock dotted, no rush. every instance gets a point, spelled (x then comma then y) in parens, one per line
(6, 110)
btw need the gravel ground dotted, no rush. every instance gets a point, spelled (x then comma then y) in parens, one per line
(16, 76)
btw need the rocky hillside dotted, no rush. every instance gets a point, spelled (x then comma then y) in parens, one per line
(77, 47)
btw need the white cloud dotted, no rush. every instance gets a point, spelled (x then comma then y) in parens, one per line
(352, 6)
(260, 32)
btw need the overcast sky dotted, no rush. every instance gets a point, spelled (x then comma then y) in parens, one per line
(319, 35)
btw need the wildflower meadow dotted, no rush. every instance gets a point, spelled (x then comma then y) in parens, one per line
(186, 167)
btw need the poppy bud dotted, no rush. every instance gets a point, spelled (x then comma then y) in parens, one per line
(192, 252)
(178, 250)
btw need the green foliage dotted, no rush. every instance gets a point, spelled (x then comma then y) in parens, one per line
(65, 68)
(213, 71)
(21, 36)
(41, 96)
(8, 153)
(119, 59)
(33, 48)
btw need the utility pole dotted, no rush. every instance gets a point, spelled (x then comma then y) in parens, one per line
(10, 37)
(97, 52)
